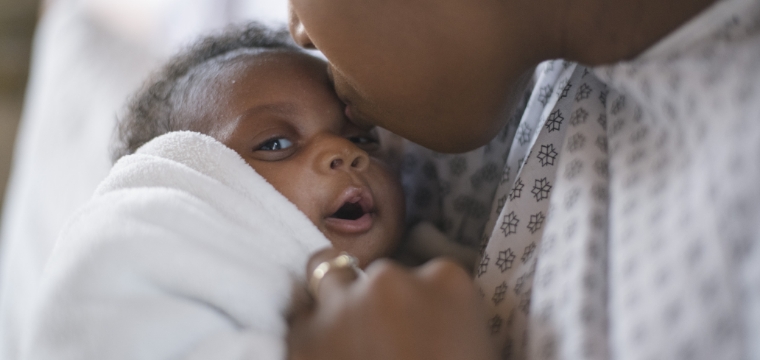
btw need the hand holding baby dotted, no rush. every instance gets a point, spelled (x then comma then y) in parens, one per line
(429, 312)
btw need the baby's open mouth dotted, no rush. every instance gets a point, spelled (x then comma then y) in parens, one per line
(349, 211)
(355, 214)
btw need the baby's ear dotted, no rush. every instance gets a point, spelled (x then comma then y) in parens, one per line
(425, 242)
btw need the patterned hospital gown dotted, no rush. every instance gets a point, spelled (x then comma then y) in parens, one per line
(618, 213)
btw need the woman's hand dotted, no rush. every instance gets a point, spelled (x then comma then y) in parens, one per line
(395, 313)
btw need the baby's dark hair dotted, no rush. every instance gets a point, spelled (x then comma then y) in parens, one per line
(155, 109)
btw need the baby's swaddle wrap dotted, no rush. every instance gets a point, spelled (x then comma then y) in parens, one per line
(183, 252)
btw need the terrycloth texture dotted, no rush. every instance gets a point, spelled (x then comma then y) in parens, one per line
(183, 252)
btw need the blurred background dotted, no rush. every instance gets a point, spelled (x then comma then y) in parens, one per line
(17, 21)
(155, 28)
(67, 68)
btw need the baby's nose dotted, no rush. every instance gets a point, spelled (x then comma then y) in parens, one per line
(340, 154)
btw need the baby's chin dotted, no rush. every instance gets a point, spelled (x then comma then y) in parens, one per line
(367, 247)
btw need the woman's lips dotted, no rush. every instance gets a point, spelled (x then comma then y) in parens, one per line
(356, 117)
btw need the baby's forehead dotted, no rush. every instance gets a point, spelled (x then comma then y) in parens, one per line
(243, 60)
(230, 85)
(220, 74)
(199, 94)
(223, 71)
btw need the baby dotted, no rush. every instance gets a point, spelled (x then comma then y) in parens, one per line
(237, 161)
(261, 96)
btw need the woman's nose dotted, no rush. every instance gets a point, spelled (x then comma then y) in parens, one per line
(341, 155)
(298, 32)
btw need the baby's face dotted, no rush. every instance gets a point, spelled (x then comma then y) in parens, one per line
(280, 113)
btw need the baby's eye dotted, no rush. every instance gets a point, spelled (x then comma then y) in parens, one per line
(367, 143)
(363, 140)
(276, 144)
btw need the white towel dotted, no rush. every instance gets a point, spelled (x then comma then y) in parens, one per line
(183, 252)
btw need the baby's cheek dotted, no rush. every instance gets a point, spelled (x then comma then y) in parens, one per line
(393, 195)
(297, 185)
(395, 190)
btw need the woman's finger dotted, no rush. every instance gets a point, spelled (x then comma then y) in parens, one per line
(334, 281)
(445, 274)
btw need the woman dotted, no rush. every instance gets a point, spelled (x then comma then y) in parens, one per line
(627, 266)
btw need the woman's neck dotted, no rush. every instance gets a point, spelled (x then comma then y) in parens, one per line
(596, 32)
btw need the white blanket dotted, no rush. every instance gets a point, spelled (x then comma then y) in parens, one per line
(183, 252)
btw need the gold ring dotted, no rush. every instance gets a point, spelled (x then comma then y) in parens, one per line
(342, 261)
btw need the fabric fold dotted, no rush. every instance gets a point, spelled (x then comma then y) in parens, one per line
(183, 252)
